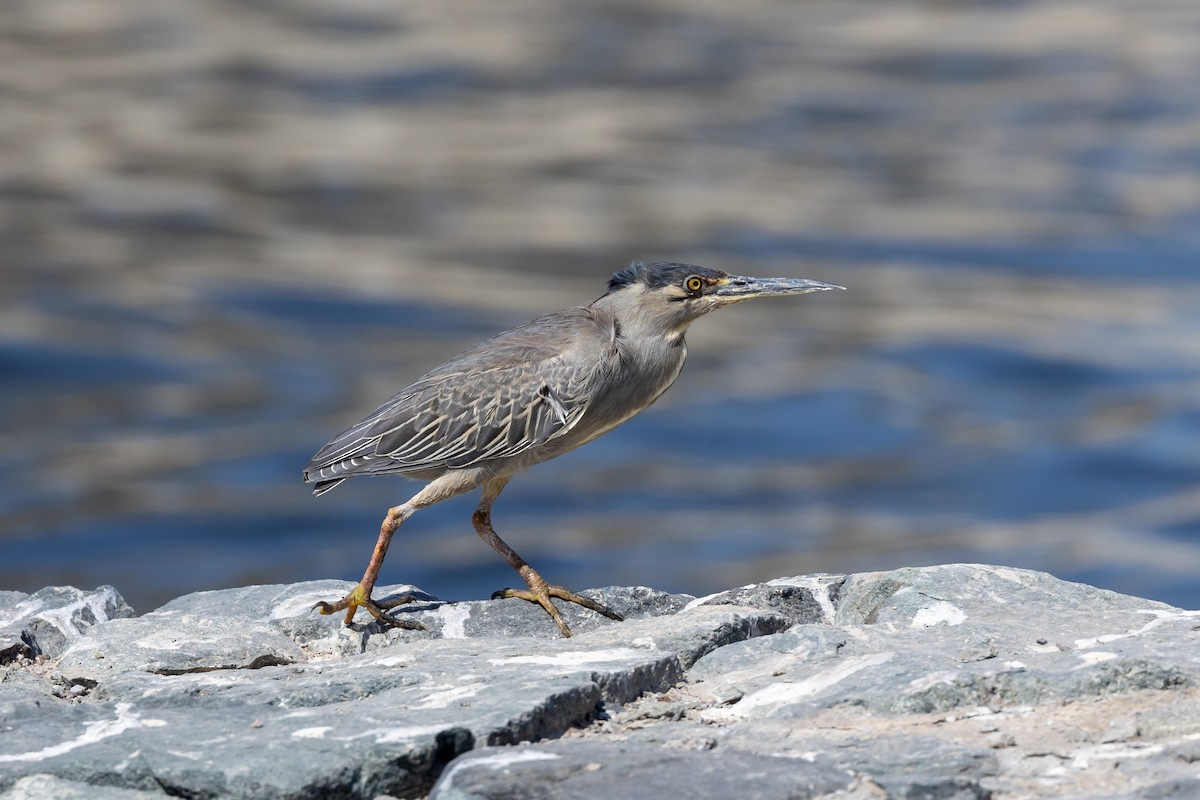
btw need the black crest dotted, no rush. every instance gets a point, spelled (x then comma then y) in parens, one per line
(659, 274)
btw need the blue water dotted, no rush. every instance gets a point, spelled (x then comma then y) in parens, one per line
(213, 263)
(707, 465)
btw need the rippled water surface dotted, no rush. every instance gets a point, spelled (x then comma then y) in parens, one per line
(231, 230)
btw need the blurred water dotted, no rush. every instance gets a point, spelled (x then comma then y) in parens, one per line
(231, 231)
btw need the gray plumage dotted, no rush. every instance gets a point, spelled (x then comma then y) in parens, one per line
(518, 392)
(532, 393)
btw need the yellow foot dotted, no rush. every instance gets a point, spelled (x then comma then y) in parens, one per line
(360, 598)
(540, 592)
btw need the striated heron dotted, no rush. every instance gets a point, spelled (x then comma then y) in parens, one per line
(523, 397)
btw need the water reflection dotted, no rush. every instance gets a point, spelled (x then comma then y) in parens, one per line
(230, 232)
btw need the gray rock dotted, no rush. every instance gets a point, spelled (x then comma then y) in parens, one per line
(802, 600)
(248, 693)
(941, 638)
(173, 643)
(956, 681)
(589, 769)
(44, 623)
(953, 681)
(48, 787)
(289, 610)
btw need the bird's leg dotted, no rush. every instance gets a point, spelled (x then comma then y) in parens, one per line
(539, 590)
(360, 595)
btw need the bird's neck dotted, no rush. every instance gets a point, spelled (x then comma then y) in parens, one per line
(633, 322)
(652, 352)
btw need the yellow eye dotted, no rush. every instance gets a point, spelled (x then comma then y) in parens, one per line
(693, 284)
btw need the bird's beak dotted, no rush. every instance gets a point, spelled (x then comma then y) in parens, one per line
(739, 287)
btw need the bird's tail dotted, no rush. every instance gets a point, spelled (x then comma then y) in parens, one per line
(324, 486)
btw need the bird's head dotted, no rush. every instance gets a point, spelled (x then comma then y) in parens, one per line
(670, 296)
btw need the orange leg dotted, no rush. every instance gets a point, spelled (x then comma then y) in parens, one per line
(539, 590)
(360, 595)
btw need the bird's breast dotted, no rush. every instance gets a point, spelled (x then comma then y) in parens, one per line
(642, 374)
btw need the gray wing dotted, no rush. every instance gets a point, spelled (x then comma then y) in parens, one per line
(514, 392)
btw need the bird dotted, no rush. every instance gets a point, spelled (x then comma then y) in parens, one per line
(525, 396)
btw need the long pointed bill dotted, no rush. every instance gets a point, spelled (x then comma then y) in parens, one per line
(740, 287)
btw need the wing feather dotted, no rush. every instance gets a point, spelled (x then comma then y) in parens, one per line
(514, 392)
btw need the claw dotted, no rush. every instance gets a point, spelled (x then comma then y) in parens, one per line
(358, 597)
(540, 592)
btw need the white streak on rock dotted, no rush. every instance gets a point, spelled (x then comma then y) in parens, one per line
(938, 613)
(1009, 574)
(165, 640)
(931, 679)
(404, 733)
(497, 761)
(454, 619)
(699, 601)
(315, 732)
(1160, 616)
(1116, 751)
(393, 661)
(574, 658)
(1096, 657)
(818, 585)
(124, 763)
(25, 609)
(92, 733)
(444, 697)
(778, 694)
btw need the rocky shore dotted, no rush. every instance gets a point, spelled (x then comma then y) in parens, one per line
(952, 681)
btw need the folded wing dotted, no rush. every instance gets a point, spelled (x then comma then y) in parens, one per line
(517, 391)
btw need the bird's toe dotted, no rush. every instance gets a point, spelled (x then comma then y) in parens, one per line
(359, 597)
(542, 594)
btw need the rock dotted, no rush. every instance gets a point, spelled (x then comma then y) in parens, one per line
(802, 600)
(952, 681)
(248, 693)
(941, 638)
(590, 769)
(48, 787)
(44, 623)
